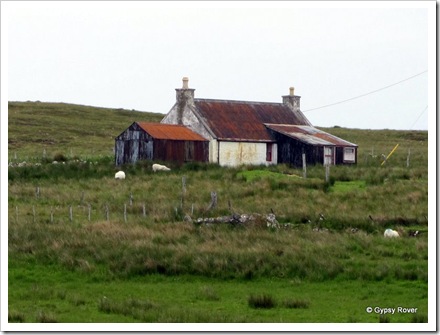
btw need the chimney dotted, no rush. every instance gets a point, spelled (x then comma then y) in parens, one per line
(184, 97)
(292, 100)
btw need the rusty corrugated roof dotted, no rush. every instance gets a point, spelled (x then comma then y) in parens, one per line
(309, 135)
(170, 132)
(244, 120)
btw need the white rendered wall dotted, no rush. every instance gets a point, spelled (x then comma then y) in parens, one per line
(247, 153)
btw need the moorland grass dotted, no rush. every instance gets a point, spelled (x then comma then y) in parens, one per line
(66, 224)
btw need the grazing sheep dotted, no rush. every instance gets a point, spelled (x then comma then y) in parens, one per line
(391, 233)
(158, 167)
(120, 175)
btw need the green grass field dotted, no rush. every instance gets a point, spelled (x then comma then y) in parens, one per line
(86, 248)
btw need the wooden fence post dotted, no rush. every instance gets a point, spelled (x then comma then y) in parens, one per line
(51, 215)
(125, 213)
(182, 199)
(106, 212)
(407, 158)
(90, 209)
(327, 172)
(304, 166)
(213, 203)
(70, 213)
(144, 212)
(37, 192)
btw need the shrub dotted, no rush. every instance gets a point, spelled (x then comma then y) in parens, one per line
(261, 301)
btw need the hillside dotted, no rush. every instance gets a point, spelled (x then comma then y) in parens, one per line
(73, 130)
(38, 128)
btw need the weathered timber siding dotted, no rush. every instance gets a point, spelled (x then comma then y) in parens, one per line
(290, 151)
(136, 144)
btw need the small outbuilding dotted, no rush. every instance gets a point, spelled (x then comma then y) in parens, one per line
(162, 142)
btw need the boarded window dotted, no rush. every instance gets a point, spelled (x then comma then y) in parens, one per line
(269, 147)
(349, 155)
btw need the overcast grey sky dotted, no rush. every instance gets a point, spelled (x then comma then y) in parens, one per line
(134, 54)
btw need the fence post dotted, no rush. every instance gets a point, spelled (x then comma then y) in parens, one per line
(213, 203)
(16, 214)
(90, 208)
(106, 212)
(144, 212)
(70, 213)
(327, 172)
(183, 191)
(407, 158)
(304, 166)
(125, 213)
(37, 192)
(51, 215)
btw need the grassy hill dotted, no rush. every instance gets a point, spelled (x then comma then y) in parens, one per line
(71, 130)
(35, 128)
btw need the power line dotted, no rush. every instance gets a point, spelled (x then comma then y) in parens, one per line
(423, 111)
(363, 95)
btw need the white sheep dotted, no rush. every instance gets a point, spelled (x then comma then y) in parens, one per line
(120, 175)
(158, 167)
(391, 233)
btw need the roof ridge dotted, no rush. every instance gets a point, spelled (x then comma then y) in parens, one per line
(237, 101)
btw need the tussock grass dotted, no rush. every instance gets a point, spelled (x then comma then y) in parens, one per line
(261, 301)
(15, 316)
(45, 317)
(296, 303)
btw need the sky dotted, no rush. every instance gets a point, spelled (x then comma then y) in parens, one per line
(380, 56)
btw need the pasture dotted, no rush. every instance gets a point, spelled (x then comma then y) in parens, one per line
(85, 247)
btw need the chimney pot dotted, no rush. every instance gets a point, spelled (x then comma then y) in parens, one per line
(292, 90)
(185, 83)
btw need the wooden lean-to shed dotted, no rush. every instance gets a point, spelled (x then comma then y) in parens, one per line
(318, 146)
(160, 142)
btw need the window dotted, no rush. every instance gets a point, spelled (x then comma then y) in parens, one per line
(349, 155)
(269, 147)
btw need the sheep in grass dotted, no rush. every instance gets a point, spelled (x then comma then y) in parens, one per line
(120, 175)
(390, 233)
(158, 167)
